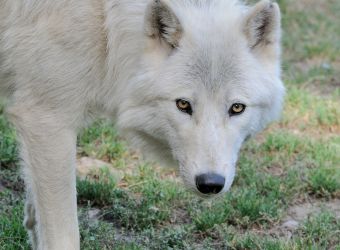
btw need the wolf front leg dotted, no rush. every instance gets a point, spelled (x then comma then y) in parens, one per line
(48, 152)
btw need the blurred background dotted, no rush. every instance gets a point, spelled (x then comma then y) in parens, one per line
(287, 191)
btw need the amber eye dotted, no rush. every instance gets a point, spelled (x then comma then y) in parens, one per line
(237, 109)
(184, 106)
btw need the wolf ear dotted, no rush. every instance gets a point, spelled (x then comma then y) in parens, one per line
(161, 23)
(263, 25)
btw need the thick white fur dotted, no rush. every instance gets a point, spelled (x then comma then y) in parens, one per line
(64, 62)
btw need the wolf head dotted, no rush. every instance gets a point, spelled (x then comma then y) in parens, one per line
(209, 79)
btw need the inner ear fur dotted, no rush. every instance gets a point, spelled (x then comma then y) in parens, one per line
(161, 23)
(263, 25)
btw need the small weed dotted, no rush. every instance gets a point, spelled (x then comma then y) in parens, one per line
(12, 234)
(324, 182)
(8, 145)
(136, 214)
(98, 192)
(250, 206)
(167, 238)
(320, 232)
(206, 217)
(281, 142)
(101, 141)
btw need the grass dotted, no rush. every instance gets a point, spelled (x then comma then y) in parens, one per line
(293, 162)
(8, 148)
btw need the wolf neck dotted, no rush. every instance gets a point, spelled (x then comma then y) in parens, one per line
(125, 42)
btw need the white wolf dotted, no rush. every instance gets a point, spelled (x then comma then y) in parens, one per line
(185, 80)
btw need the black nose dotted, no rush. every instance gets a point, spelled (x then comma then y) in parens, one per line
(210, 183)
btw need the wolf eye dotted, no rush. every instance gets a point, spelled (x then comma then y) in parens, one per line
(237, 109)
(184, 106)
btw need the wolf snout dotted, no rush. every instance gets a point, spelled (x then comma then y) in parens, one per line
(210, 183)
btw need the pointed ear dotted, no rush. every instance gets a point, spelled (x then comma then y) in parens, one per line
(162, 24)
(263, 25)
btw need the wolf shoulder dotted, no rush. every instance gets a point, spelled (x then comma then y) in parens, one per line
(51, 44)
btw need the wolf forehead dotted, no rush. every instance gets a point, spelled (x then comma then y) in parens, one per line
(225, 71)
(222, 77)
(201, 20)
(214, 67)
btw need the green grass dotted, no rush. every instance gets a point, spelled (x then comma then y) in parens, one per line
(294, 161)
(8, 148)
(101, 141)
(99, 192)
(12, 234)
